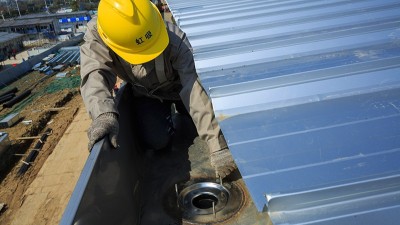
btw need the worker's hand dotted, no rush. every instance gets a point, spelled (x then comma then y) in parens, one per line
(105, 124)
(222, 162)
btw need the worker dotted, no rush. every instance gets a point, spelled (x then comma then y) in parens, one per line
(129, 39)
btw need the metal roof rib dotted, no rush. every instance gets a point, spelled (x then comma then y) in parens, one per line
(307, 94)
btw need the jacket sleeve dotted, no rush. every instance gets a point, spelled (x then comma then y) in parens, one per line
(97, 75)
(193, 95)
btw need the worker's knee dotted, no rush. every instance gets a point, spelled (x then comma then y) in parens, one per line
(154, 123)
(158, 135)
(157, 143)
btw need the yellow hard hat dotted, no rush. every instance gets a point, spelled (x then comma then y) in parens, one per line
(133, 29)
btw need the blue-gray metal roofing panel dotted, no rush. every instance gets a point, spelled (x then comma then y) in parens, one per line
(5, 36)
(307, 94)
(66, 55)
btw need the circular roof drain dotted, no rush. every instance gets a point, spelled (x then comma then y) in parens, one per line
(204, 198)
(207, 202)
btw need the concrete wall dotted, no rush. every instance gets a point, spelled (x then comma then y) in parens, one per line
(10, 75)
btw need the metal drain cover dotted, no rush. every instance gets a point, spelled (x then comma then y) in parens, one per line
(203, 198)
(205, 202)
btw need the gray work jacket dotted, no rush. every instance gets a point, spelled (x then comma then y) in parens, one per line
(100, 66)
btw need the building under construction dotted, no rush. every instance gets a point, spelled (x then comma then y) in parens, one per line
(48, 25)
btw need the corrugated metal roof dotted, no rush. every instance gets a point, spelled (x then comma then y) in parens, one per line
(66, 56)
(51, 15)
(5, 36)
(307, 94)
(13, 23)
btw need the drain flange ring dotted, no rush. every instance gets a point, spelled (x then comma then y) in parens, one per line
(204, 198)
(198, 208)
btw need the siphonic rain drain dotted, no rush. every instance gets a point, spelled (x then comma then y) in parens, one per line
(205, 202)
(203, 198)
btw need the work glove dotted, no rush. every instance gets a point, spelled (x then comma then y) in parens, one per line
(222, 162)
(105, 124)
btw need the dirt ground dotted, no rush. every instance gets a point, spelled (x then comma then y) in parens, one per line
(40, 195)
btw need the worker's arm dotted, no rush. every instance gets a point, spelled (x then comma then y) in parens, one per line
(199, 104)
(98, 79)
